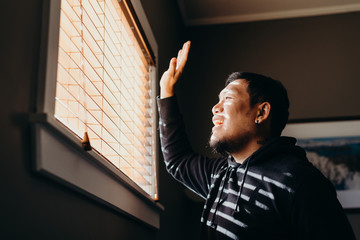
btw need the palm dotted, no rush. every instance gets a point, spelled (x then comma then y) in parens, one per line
(172, 75)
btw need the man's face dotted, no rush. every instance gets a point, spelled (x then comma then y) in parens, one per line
(234, 119)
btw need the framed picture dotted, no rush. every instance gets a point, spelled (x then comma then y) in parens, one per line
(334, 148)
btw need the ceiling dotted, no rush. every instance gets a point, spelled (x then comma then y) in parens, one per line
(206, 12)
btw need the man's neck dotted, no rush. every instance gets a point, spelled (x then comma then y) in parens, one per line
(247, 151)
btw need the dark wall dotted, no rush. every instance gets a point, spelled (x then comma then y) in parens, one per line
(316, 58)
(35, 207)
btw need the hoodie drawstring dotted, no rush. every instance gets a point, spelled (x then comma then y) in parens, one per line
(241, 188)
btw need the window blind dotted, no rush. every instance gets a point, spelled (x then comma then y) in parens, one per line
(104, 85)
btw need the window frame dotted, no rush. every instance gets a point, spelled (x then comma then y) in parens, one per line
(58, 152)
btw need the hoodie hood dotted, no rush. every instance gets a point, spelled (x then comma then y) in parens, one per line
(276, 147)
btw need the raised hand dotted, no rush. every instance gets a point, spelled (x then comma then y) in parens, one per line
(172, 75)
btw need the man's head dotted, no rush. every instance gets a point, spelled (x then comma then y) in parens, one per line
(250, 106)
(265, 89)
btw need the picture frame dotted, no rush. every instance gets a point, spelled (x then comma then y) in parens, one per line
(333, 146)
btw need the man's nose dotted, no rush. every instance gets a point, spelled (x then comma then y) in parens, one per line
(217, 108)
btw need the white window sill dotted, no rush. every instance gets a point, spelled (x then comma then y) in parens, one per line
(59, 155)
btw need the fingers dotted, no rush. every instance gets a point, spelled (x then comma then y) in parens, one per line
(183, 55)
(172, 66)
(179, 58)
(177, 64)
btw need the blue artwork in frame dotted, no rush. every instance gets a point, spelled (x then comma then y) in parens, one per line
(334, 148)
(337, 158)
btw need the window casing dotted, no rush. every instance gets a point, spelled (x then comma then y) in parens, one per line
(58, 131)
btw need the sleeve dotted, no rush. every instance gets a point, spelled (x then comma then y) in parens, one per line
(317, 214)
(191, 169)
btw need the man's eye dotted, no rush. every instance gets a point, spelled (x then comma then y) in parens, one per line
(227, 98)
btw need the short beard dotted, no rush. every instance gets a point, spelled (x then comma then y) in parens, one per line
(227, 147)
(219, 148)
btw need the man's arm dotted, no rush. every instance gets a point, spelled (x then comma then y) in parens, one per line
(188, 167)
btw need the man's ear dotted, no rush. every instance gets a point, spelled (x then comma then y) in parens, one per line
(263, 112)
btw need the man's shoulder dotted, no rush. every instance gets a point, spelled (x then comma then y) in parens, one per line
(291, 170)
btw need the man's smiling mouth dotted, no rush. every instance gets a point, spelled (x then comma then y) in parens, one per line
(218, 122)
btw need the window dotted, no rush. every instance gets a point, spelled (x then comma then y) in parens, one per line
(94, 128)
(104, 85)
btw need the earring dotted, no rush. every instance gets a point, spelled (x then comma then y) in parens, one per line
(257, 121)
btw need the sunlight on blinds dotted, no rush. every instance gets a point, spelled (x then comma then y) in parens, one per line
(104, 86)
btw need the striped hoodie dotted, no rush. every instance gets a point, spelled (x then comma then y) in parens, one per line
(275, 194)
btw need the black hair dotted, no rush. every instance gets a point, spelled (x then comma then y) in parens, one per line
(265, 89)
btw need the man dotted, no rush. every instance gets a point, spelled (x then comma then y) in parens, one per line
(265, 188)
